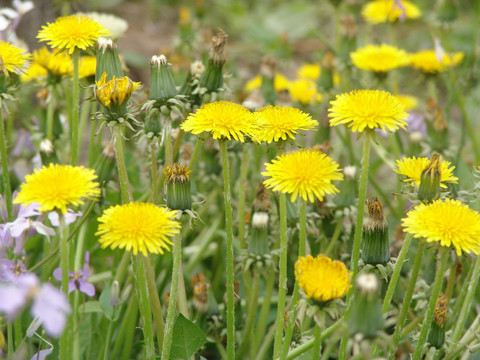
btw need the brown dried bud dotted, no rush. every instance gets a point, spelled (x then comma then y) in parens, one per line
(200, 293)
(348, 28)
(441, 308)
(262, 200)
(218, 47)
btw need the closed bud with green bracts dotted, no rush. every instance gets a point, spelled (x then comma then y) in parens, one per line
(115, 294)
(375, 244)
(47, 153)
(436, 336)
(212, 77)
(258, 241)
(430, 179)
(108, 60)
(366, 316)
(177, 181)
(162, 86)
(325, 80)
(267, 71)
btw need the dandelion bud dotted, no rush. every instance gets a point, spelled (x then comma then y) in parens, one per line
(162, 86)
(429, 188)
(108, 60)
(178, 187)
(200, 293)
(115, 294)
(258, 242)
(366, 317)
(212, 77)
(47, 153)
(267, 71)
(436, 336)
(114, 94)
(375, 244)
(325, 81)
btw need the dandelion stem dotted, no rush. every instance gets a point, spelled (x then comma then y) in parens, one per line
(91, 144)
(408, 297)
(196, 152)
(154, 173)
(265, 309)
(75, 106)
(64, 257)
(155, 302)
(436, 287)
(282, 281)
(122, 169)
(50, 112)
(5, 172)
(141, 286)
(230, 276)
(396, 272)
(472, 286)
(317, 335)
(242, 184)
(172, 303)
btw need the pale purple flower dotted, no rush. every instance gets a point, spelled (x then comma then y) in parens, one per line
(70, 217)
(79, 278)
(399, 5)
(14, 295)
(42, 354)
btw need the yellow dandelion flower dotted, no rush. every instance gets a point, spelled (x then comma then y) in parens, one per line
(372, 109)
(410, 102)
(412, 169)
(222, 119)
(379, 11)
(116, 92)
(138, 227)
(379, 58)
(309, 71)
(72, 32)
(305, 173)
(322, 278)
(87, 66)
(449, 222)
(55, 62)
(12, 58)
(305, 91)
(279, 122)
(57, 186)
(428, 62)
(280, 83)
(35, 71)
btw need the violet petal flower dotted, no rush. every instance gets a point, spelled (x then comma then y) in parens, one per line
(70, 217)
(79, 278)
(51, 307)
(42, 354)
(14, 295)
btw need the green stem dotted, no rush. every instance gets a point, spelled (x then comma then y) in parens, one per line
(230, 276)
(196, 152)
(172, 303)
(64, 257)
(126, 329)
(461, 297)
(182, 294)
(408, 297)
(333, 241)
(75, 106)
(5, 173)
(77, 266)
(436, 287)
(307, 345)
(317, 335)
(178, 143)
(141, 286)
(396, 272)
(154, 173)
(472, 286)
(282, 281)
(361, 206)
(10, 346)
(451, 280)
(296, 293)
(248, 334)
(155, 301)
(91, 144)
(108, 339)
(122, 169)
(168, 149)
(242, 184)
(50, 112)
(265, 309)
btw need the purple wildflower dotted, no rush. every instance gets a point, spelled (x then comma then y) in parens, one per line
(79, 278)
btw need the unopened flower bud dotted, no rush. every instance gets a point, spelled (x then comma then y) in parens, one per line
(115, 294)
(430, 179)
(108, 60)
(366, 316)
(162, 86)
(375, 244)
(436, 336)
(47, 153)
(212, 77)
(178, 187)
(325, 80)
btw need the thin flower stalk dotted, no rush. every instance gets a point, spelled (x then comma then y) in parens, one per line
(64, 257)
(230, 277)
(91, 144)
(75, 107)
(407, 299)
(5, 172)
(154, 173)
(122, 169)
(436, 287)
(196, 152)
(155, 303)
(265, 310)
(467, 302)
(50, 112)
(317, 345)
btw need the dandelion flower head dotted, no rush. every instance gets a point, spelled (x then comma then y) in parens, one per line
(280, 82)
(138, 227)
(116, 91)
(223, 119)
(449, 222)
(322, 278)
(428, 61)
(87, 66)
(410, 102)
(379, 58)
(305, 173)
(12, 58)
(413, 167)
(72, 32)
(304, 90)
(372, 109)
(281, 122)
(309, 71)
(379, 11)
(55, 62)
(57, 186)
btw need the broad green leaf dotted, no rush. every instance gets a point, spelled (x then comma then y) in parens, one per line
(187, 338)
